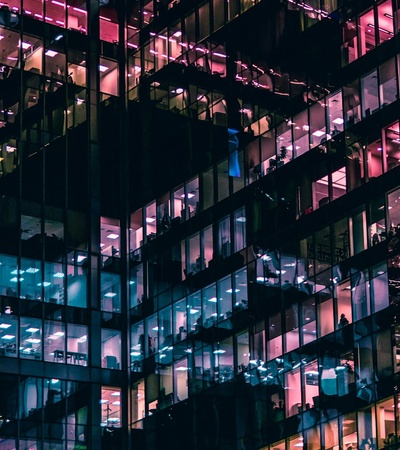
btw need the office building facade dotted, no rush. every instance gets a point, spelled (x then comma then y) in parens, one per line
(199, 224)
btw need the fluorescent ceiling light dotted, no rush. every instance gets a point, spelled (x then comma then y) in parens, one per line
(135, 353)
(110, 294)
(25, 45)
(51, 53)
(8, 336)
(150, 219)
(15, 279)
(17, 272)
(32, 330)
(59, 333)
(117, 403)
(33, 340)
(44, 284)
(221, 55)
(213, 300)
(116, 394)
(81, 258)
(241, 219)
(182, 369)
(58, 275)
(113, 236)
(4, 326)
(338, 121)
(177, 33)
(103, 68)
(190, 195)
(318, 133)
(219, 352)
(32, 270)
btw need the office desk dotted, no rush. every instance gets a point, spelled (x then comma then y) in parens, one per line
(72, 357)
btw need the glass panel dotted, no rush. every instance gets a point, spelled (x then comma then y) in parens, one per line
(136, 286)
(224, 298)
(392, 145)
(209, 305)
(387, 82)
(54, 341)
(110, 407)
(137, 347)
(30, 338)
(224, 238)
(293, 394)
(370, 96)
(110, 238)
(110, 348)
(150, 220)
(194, 315)
(343, 298)
(349, 47)
(77, 344)
(367, 32)
(9, 336)
(208, 189)
(110, 292)
(385, 21)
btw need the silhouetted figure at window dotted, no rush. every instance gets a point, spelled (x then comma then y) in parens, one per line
(343, 321)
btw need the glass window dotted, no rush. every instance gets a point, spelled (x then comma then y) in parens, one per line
(30, 338)
(291, 336)
(366, 421)
(210, 305)
(150, 220)
(136, 286)
(224, 238)
(367, 32)
(309, 327)
(8, 335)
(110, 407)
(349, 431)
(208, 188)
(379, 284)
(136, 230)
(370, 96)
(387, 82)
(274, 344)
(195, 263)
(207, 246)
(293, 401)
(223, 180)
(283, 144)
(110, 292)
(181, 380)
(224, 287)
(223, 360)
(31, 272)
(53, 284)
(178, 206)
(77, 16)
(311, 384)
(385, 21)
(54, 341)
(240, 290)
(108, 23)
(335, 113)
(391, 145)
(349, 47)
(194, 316)
(325, 316)
(137, 346)
(77, 344)
(386, 422)
(108, 73)
(110, 348)
(343, 298)
(239, 229)
(180, 320)
(77, 281)
(351, 103)
(301, 129)
(110, 238)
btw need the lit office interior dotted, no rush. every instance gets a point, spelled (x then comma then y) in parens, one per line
(229, 253)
